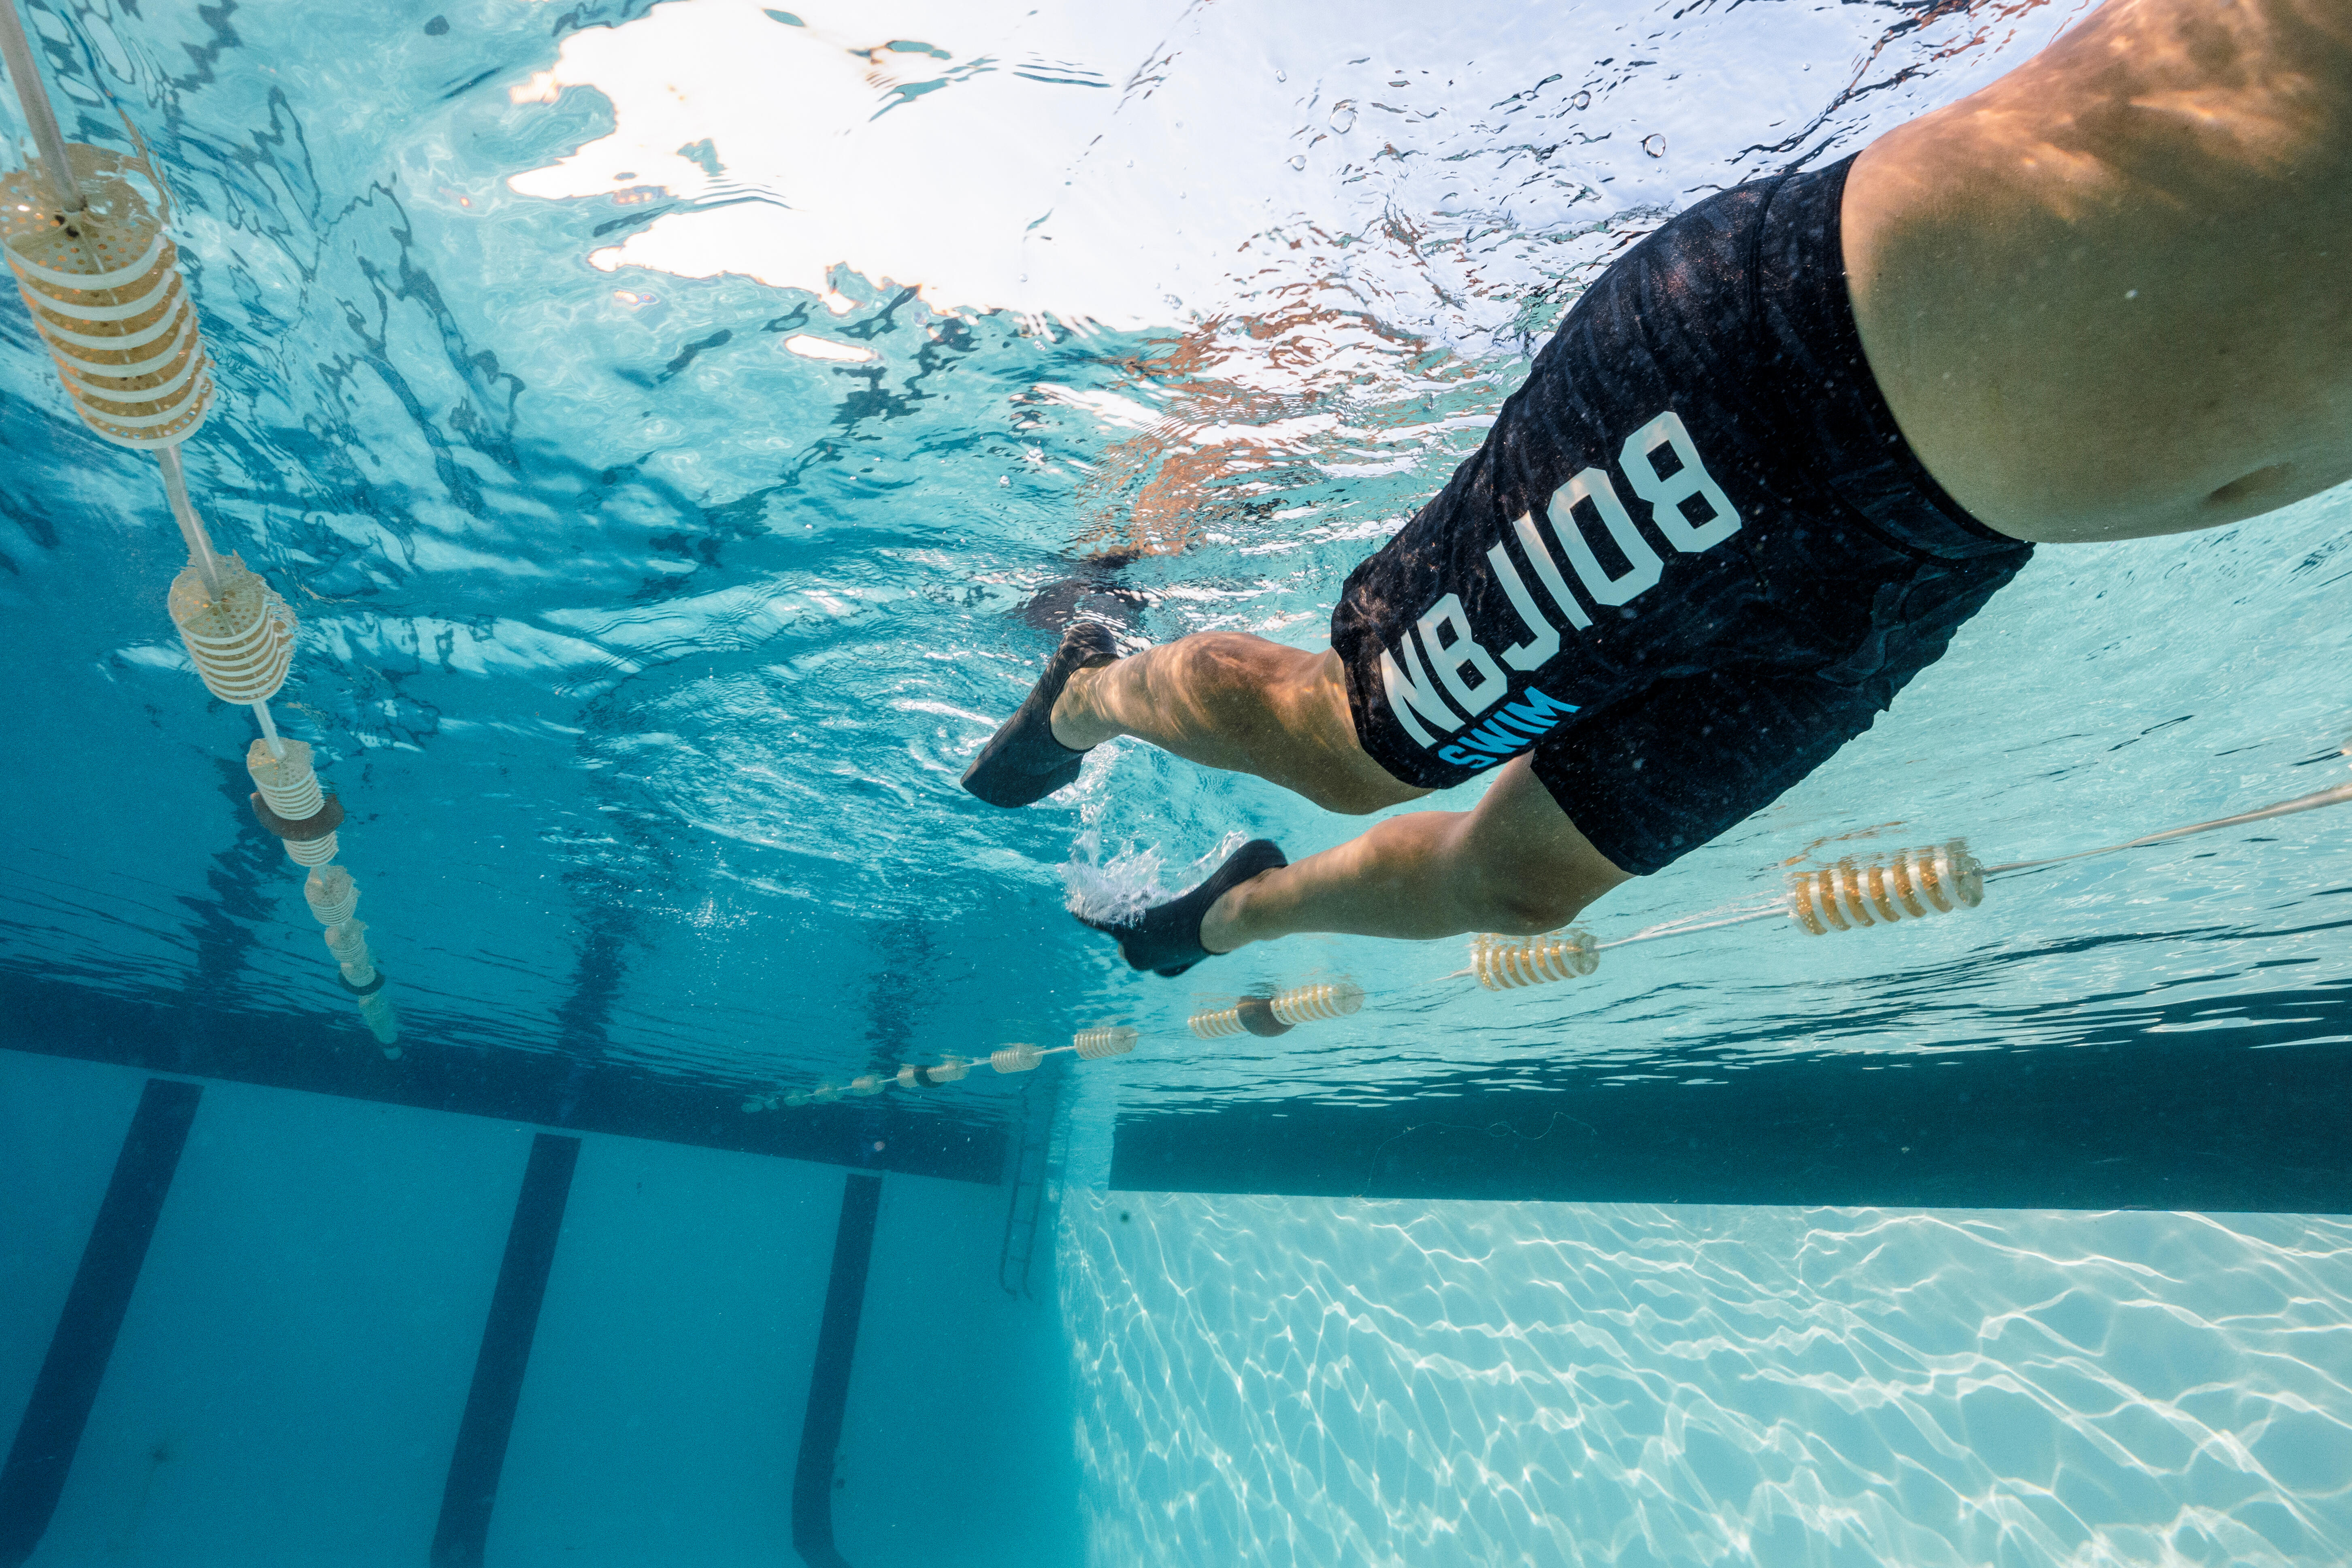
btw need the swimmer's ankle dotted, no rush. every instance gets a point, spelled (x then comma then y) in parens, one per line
(1073, 725)
(1221, 926)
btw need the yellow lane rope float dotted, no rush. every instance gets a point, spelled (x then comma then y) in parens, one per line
(1505, 964)
(1853, 894)
(102, 278)
(102, 281)
(1910, 883)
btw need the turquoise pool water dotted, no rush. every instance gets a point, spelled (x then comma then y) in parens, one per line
(680, 430)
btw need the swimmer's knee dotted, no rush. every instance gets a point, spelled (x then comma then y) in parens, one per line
(1341, 779)
(1354, 797)
(1532, 908)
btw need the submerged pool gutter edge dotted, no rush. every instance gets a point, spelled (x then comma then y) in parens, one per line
(328, 1053)
(2218, 1122)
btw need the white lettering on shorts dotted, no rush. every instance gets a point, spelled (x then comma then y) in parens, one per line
(1407, 696)
(1448, 657)
(1412, 693)
(1642, 566)
(1508, 732)
(1570, 606)
(1669, 496)
(1544, 640)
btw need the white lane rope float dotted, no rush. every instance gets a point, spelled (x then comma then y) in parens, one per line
(97, 268)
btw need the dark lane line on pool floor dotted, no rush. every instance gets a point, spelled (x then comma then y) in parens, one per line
(50, 1432)
(828, 1396)
(481, 1448)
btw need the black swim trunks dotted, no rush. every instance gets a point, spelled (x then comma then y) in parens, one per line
(1694, 557)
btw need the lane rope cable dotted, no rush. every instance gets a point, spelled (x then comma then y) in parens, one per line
(1857, 892)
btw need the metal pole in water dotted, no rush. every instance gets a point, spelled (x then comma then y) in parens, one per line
(16, 51)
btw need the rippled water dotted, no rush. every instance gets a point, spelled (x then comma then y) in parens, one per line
(1308, 1382)
(681, 429)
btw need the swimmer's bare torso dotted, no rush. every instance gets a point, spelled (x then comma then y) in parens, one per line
(2110, 295)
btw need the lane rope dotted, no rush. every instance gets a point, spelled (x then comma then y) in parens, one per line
(1858, 893)
(98, 271)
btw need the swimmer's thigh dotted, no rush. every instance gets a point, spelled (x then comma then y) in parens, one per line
(1519, 852)
(1653, 776)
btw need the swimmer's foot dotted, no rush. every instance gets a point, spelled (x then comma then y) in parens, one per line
(1166, 938)
(1022, 762)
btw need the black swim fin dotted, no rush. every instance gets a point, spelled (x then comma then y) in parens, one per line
(1022, 762)
(1166, 938)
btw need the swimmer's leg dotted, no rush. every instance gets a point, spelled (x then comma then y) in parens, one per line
(1229, 701)
(1514, 863)
(1682, 762)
